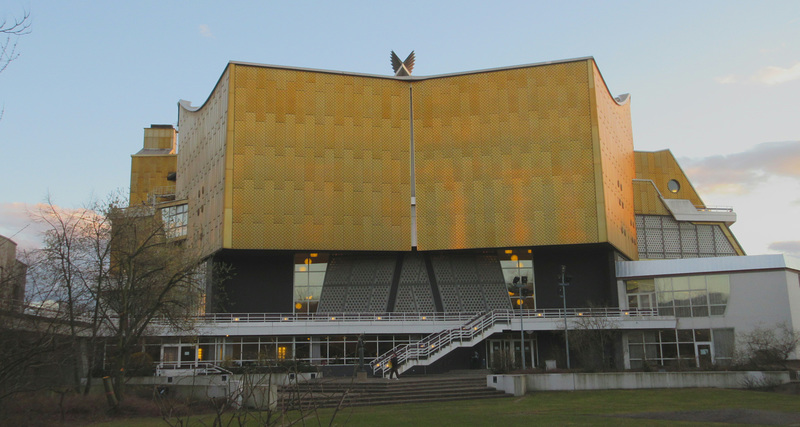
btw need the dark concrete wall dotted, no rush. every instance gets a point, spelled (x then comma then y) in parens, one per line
(592, 270)
(258, 282)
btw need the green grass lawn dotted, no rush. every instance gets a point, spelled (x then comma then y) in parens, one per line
(595, 408)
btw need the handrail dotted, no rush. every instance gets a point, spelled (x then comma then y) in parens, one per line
(713, 208)
(462, 317)
(223, 318)
(204, 367)
(476, 327)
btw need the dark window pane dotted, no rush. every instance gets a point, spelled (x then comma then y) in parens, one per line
(702, 335)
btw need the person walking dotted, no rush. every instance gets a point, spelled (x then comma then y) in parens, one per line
(393, 370)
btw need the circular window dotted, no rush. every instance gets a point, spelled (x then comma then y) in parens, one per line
(673, 186)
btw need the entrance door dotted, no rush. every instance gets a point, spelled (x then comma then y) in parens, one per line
(169, 357)
(188, 356)
(528, 354)
(507, 352)
(704, 357)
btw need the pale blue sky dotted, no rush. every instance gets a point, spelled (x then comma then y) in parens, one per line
(707, 78)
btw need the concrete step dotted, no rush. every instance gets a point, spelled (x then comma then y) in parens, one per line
(375, 391)
(382, 385)
(331, 403)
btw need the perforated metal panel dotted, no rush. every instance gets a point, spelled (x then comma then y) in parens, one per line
(655, 242)
(705, 239)
(664, 237)
(414, 289)
(357, 283)
(689, 240)
(470, 282)
(652, 222)
(450, 299)
(332, 299)
(672, 240)
(721, 243)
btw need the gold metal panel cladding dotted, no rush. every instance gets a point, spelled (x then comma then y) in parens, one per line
(320, 161)
(505, 158)
(202, 166)
(148, 174)
(661, 167)
(151, 166)
(615, 139)
(646, 199)
(292, 159)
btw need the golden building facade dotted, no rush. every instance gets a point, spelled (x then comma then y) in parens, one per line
(346, 191)
(281, 158)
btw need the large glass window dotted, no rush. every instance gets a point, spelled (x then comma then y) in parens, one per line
(683, 296)
(679, 348)
(517, 265)
(175, 220)
(309, 274)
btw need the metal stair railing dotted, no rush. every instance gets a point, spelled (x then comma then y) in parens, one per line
(436, 342)
(477, 327)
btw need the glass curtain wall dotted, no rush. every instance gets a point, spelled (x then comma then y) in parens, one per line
(680, 348)
(681, 296)
(309, 274)
(517, 265)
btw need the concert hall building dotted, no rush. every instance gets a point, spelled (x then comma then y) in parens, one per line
(436, 213)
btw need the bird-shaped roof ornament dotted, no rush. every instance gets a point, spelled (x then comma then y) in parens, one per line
(402, 68)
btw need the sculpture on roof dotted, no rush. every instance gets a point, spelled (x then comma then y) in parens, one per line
(402, 68)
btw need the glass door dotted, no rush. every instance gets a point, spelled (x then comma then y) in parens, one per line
(705, 357)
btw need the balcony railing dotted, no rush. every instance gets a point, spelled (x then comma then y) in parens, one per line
(548, 313)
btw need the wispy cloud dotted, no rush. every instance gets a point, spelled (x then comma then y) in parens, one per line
(18, 225)
(740, 173)
(788, 247)
(726, 80)
(777, 75)
(23, 223)
(205, 31)
(771, 76)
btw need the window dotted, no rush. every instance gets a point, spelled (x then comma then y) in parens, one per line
(682, 296)
(673, 186)
(175, 220)
(517, 265)
(309, 274)
(683, 347)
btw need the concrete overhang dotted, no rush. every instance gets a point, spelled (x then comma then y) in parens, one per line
(684, 210)
(710, 265)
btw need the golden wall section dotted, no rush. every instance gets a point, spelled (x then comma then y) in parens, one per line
(317, 161)
(151, 165)
(646, 200)
(505, 158)
(661, 167)
(148, 173)
(202, 166)
(614, 148)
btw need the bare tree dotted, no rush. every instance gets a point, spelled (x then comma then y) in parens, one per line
(592, 339)
(117, 271)
(150, 278)
(10, 32)
(766, 347)
(71, 268)
(34, 347)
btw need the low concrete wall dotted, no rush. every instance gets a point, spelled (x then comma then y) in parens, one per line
(192, 388)
(511, 384)
(253, 390)
(634, 380)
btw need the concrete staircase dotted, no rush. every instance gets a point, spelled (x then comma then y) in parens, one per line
(327, 393)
